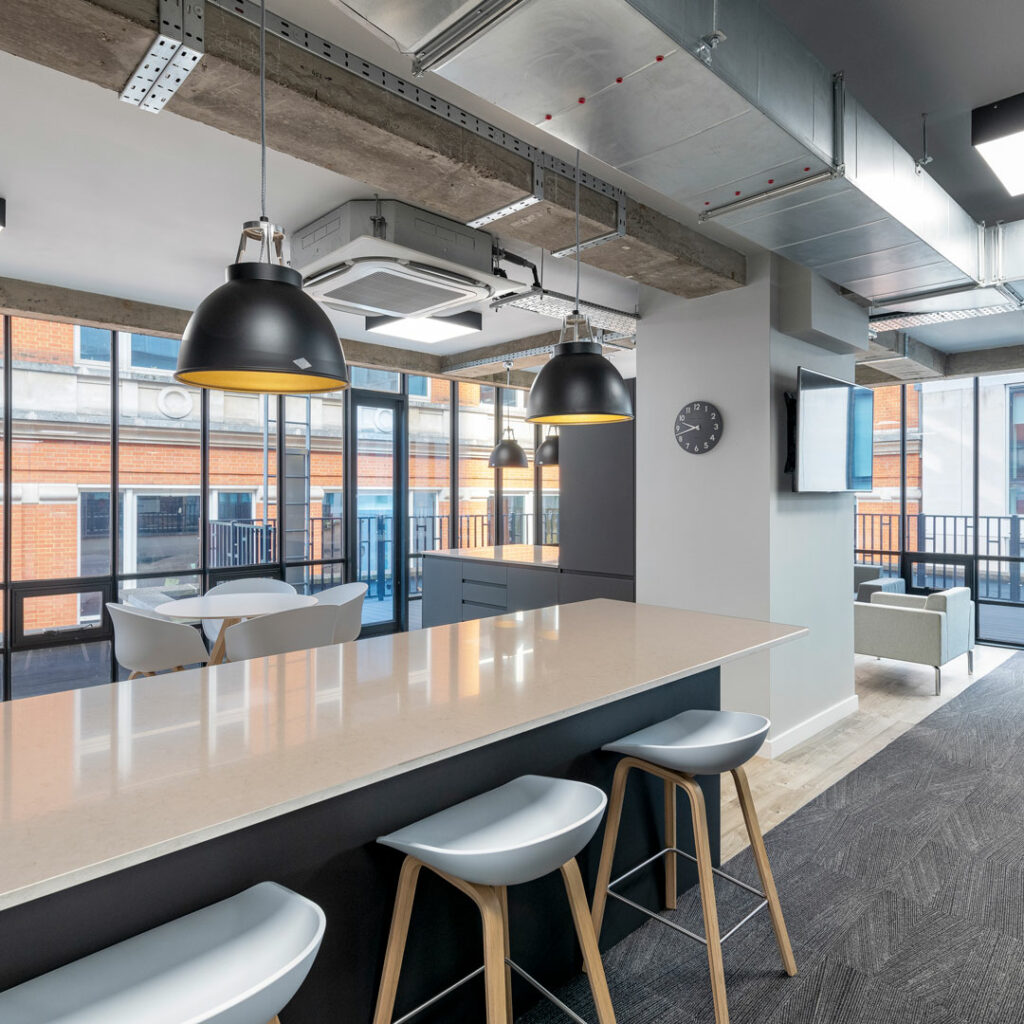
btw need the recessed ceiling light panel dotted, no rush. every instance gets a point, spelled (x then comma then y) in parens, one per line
(997, 133)
(427, 329)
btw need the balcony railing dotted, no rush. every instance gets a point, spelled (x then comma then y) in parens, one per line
(241, 542)
(1000, 543)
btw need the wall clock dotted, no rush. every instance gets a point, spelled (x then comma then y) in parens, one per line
(698, 427)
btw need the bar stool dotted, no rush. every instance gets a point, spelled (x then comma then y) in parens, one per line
(236, 962)
(513, 834)
(694, 743)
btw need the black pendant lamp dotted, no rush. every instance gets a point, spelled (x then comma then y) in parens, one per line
(508, 452)
(260, 331)
(578, 385)
(547, 453)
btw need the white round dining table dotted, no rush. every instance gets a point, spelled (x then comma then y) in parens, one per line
(231, 609)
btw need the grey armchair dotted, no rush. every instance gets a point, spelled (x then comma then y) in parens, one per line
(930, 630)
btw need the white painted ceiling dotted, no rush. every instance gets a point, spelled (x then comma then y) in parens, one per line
(106, 198)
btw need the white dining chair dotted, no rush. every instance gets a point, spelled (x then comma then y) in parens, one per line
(145, 644)
(295, 630)
(250, 585)
(348, 598)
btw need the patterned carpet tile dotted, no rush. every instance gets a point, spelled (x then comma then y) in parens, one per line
(902, 886)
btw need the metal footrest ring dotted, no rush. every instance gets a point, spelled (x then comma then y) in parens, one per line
(547, 993)
(672, 924)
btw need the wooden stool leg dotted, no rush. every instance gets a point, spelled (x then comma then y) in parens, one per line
(671, 885)
(276, 1020)
(503, 898)
(489, 902)
(611, 836)
(707, 897)
(396, 940)
(764, 869)
(588, 941)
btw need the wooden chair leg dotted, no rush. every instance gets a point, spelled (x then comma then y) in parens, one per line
(495, 969)
(276, 1020)
(587, 937)
(707, 897)
(611, 836)
(503, 898)
(671, 885)
(135, 674)
(764, 869)
(396, 940)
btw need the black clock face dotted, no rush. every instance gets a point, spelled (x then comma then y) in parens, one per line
(698, 427)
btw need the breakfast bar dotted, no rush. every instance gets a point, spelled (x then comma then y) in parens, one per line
(126, 805)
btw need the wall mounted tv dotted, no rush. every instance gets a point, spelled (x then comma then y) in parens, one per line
(831, 442)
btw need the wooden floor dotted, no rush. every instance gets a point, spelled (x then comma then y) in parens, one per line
(894, 696)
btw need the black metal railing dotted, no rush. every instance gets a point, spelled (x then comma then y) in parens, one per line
(241, 542)
(998, 564)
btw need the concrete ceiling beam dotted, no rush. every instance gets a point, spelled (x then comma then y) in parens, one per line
(326, 116)
(108, 312)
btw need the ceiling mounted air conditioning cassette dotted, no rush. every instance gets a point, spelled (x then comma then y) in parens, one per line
(396, 260)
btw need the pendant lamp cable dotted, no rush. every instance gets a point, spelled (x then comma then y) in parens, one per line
(577, 309)
(264, 244)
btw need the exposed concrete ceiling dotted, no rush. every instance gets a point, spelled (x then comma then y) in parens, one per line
(345, 123)
(903, 58)
(104, 198)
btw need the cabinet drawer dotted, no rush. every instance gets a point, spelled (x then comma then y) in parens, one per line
(484, 572)
(485, 593)
(478, 611)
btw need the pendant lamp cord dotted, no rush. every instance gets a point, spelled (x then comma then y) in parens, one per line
(265, 243)
(577, 309)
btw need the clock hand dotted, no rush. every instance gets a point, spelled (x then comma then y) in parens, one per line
(686, 428)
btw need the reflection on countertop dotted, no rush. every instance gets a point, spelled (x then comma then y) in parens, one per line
(536, 555)
(97, 779)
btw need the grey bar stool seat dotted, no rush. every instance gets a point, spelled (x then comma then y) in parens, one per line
(697, 742)
(236, 962)
(510, 835)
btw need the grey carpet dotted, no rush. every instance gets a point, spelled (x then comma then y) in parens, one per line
(902, 886)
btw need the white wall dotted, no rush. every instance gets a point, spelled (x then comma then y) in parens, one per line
(722, 532)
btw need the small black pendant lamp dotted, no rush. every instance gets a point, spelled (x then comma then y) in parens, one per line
(508, 452)
(260, 331)
(547, 453)
(578, 385)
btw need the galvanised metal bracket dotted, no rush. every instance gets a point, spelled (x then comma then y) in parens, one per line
(520, 204)
(619, 232)
(171, 56)
(249, 11)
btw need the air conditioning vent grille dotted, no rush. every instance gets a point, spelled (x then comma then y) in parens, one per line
(393, 292)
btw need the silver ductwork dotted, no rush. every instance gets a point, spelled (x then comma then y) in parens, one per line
(754, 132)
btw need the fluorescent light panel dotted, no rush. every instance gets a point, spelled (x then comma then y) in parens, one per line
(997, 133)
(428, 329)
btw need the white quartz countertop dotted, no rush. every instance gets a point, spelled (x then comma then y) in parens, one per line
(534, 555)
(98, 779)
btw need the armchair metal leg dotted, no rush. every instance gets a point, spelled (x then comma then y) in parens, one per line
(938, 681)
(970, 663)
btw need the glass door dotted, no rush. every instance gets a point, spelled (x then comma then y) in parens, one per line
(378, 539)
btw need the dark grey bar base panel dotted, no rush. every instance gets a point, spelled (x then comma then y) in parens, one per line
(327, 852)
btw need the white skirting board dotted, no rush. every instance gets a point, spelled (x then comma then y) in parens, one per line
(776, 745)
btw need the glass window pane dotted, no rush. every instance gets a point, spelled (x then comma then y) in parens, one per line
(158, 469)
(148, 352)
(311, 579)
(93, 343)
(375, 380)
(147, 593)
(878, 511)
(375, 510)
(49, 669)
(314, 484)
(941, 517)
(476, 477)
(549, 505)
(61, 455)
(429, 478)
(517, 525)
(1001, 507)
(243, 479)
